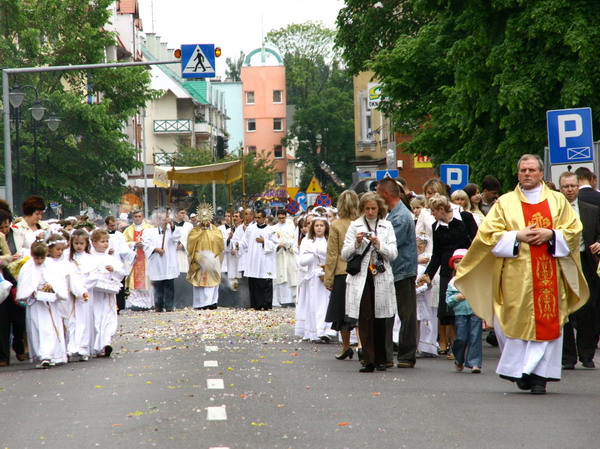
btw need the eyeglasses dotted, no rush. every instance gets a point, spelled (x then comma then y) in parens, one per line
(570, 186)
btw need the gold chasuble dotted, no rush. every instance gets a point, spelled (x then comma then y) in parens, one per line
(202, 245)
(532, 294)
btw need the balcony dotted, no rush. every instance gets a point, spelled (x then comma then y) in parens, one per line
(172, 126)
(202, 127)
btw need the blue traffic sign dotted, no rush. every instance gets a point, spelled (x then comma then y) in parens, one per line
(301, 197)
(198, 61)
(570, 137)
(455, 175)
(380, 174)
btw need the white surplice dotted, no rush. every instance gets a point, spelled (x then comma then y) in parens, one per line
(260, 256)
(163, 267)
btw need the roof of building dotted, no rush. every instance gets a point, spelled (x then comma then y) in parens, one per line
(198, 90)
(164, 82)
(128, 7)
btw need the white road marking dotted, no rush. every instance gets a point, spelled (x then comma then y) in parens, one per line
(210, 363)
(215, 384)
(211, 348)
(216, 413)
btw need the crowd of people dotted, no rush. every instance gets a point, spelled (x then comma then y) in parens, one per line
(394, 273)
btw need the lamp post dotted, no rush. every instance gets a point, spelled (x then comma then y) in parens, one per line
(37, 110)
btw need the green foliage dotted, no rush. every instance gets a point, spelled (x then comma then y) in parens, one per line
(322, 92)
(472, 80)
(234, 67)
(83, 161)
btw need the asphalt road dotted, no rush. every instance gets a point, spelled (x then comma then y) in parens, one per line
(233, 378)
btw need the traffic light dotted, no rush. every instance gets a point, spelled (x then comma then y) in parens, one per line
(217, 52)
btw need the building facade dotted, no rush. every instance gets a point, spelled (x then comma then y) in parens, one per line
(264, 110)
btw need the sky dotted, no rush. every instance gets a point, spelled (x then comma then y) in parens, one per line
(233, 25)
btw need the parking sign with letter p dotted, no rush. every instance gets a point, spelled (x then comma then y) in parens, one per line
(570, 137)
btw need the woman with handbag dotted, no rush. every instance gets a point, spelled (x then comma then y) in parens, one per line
(335, 271)
(370, 293)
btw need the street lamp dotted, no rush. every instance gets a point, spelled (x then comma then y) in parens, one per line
(37, 110)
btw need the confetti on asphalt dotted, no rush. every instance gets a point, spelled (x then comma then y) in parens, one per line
(185, 327)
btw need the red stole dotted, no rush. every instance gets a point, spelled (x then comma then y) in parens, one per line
(139, 266)
(544, 272)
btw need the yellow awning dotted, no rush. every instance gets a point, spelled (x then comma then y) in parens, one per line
(222, 173)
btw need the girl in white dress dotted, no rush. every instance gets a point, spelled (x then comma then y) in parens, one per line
(315, 295)
(40, 286)
(81, 318)
(104, 283)
(301, 310)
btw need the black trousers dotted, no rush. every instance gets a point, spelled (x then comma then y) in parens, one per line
(12, 328)
(584, 321)
(261, 293)
(406, 300)
(372, 330)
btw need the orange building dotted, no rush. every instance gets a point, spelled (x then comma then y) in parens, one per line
(264, 109)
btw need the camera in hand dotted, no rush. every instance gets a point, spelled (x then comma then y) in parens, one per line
(368, 235)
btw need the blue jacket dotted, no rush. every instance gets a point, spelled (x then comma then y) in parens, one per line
(459, 307)
(405, 265)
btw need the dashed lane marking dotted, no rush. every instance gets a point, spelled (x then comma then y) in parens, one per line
(216, 413)
(210, 363)
(215, 384)
(211, 348)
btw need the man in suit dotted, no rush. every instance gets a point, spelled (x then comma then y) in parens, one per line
(584, 319)
(587, 193)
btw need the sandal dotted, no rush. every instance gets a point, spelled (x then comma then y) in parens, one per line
(442, 351)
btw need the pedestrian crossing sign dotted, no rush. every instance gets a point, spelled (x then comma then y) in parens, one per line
(198, 61)
(314, 186)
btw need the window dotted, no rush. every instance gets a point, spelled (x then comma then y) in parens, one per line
(278, 152)
(277, 124)
(251, 149)
(279, 178)
(250, 97)
(366, 124)
(251, 125)
(277, 96)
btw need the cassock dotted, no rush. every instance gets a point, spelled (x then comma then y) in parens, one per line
(205, 247)
(230, 261)
(530, 289)
(286, 279)
(260, 264)
(140, 293)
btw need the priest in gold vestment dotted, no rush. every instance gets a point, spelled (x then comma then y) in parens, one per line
(205, 247)
(523, 273)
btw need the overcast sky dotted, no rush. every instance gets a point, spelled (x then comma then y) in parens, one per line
(233, 25)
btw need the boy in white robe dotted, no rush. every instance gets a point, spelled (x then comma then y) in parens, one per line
(160, 248)
(286, 281)
(260, 243)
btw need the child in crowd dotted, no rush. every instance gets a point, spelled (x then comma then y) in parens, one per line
(40, 285)
(467, 344)
(105, 282)
(427, 346)
(314, 297)
(81, 320)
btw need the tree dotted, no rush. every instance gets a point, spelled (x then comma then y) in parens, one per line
(321, 90)
(234, 67)
(84, 159)
(472, 81)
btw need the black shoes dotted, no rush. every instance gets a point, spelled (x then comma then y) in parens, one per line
(568, 366)
(344, 355)
(538, 384)
(524, 383)
(367, 368)
(359, 351)
(588, 363)
(381, 367)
